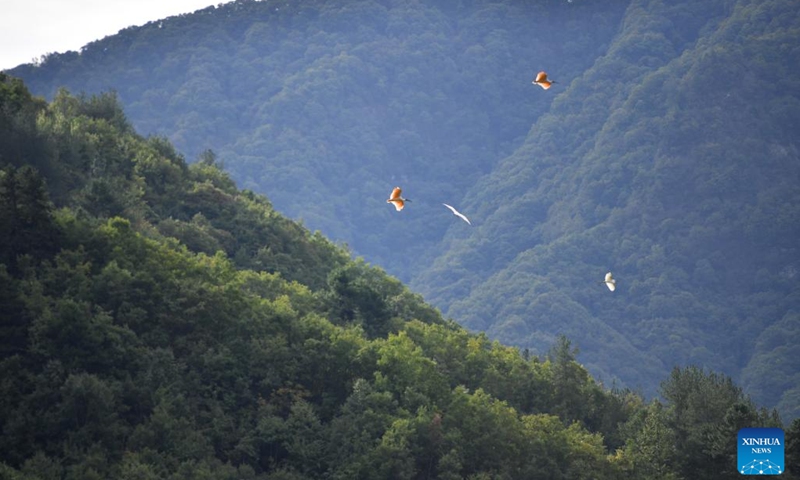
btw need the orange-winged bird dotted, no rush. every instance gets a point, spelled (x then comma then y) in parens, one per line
(542, 81)
(395, 199)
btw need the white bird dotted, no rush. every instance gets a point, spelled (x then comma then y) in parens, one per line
(610, 282)
(457, 213)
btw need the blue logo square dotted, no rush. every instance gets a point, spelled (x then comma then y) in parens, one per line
(760, 451)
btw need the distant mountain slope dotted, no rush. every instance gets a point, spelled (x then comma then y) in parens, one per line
(329, 105)
(673, 162)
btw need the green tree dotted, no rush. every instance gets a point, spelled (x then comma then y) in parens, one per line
(20, 142)
(570, 382)
(14, 318)
(792, 448)
(26, 216)
(651, 450)
(706, 410)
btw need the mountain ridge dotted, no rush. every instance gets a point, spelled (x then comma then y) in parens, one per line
(638, 161)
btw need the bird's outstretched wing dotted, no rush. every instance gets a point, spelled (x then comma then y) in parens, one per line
(610, 282)
(398, 203)
(457, 213)
(395, 193)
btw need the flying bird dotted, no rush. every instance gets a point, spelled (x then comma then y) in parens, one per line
(610, 282)
(542, 81)
(396, 200)
(457, 213)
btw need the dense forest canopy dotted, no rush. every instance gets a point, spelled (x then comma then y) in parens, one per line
(158, 322)
(666, 152)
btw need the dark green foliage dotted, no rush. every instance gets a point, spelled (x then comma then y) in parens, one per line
(792, 448)
(689, 436)
(707, 410)
(14, 321)
(26, 217)
(362, 295)
(20, 142)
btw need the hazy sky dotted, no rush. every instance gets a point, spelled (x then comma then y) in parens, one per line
(31, 28)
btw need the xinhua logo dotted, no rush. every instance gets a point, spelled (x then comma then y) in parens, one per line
(760, 451)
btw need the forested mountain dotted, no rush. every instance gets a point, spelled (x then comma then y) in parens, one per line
(666, 153)
(159, 323)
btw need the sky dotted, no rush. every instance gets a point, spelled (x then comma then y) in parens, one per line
(32, 28)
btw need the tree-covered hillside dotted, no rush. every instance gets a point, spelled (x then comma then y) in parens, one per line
(159, 323)
(666, 153)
